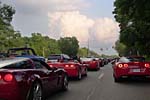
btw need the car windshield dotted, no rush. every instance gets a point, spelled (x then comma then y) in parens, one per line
(136, 59)
(18, 65)
(54, 57)
(20, 52)
(86, 59)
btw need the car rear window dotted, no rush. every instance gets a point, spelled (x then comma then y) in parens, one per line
(132, 59)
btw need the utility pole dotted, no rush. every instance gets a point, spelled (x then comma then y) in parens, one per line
(88, 48)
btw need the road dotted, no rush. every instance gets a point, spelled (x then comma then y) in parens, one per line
(99, 85)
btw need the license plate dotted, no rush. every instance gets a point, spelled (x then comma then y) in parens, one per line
(135, 70)
(134, 66)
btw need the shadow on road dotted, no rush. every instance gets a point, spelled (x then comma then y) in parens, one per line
(136, 81)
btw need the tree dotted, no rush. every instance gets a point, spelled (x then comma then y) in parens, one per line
(43, 45)
(6, 30)
(133, 16)
(69, 45)
(121, 48)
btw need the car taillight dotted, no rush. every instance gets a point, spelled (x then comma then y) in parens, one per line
(72, 66)
(0, 77)
(123, 65)
(66, 65)
(8, 77)
(51, 65)
(147, 65)
(120, 65)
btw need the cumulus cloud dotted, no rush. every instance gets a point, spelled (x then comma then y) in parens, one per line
(106, 30)
(101, 32)
(70, 24)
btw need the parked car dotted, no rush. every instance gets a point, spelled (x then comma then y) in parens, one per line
(74, 68)
(133, 66)
(26, 79)
(92, 62)
(24, 52)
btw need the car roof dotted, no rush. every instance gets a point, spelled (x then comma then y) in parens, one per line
(9, 61)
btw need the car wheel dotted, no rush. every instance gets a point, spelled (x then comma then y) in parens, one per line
(65, 83)
(86, 71)
(79, 75)
(35, 92)
(117, 79)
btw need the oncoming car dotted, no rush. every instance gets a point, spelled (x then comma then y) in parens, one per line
(26, 79)
(134, 66)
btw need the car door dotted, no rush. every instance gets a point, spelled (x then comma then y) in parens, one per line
(52, 76)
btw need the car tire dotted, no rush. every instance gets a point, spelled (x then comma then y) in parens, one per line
(79, 75)
(35, 92)
(65, 83)
(117, 80)
(86, 70)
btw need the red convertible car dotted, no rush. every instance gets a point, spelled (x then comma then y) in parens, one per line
(26, 79)
(73, 67)
(92, 62)
(134, 66)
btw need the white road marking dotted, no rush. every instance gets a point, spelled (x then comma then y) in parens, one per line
(101, 75)
(91, 93)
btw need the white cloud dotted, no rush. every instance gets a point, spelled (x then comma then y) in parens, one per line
(106, 30)
(102, 32)
(70, 24)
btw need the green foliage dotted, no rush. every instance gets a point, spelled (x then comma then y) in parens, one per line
(83, 52)
(69, 45)
(7, 33)
(121, 48)
(6, 13)
(43, 45)
(134, 21)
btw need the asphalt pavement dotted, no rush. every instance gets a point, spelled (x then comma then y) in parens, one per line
(99, 85)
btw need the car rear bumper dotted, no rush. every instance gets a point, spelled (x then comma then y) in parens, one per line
(7, 94)
(93, 66)
(130, 72)
(72, 72)
(10, 92)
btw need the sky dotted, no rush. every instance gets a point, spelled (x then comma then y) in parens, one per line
(90, 21)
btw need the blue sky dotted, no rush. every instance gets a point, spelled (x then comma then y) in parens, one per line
(86, 19)
(101, 8)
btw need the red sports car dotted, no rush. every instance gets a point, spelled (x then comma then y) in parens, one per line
(92, 62)
(26, 79)
(134, 66)
(72, 67)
